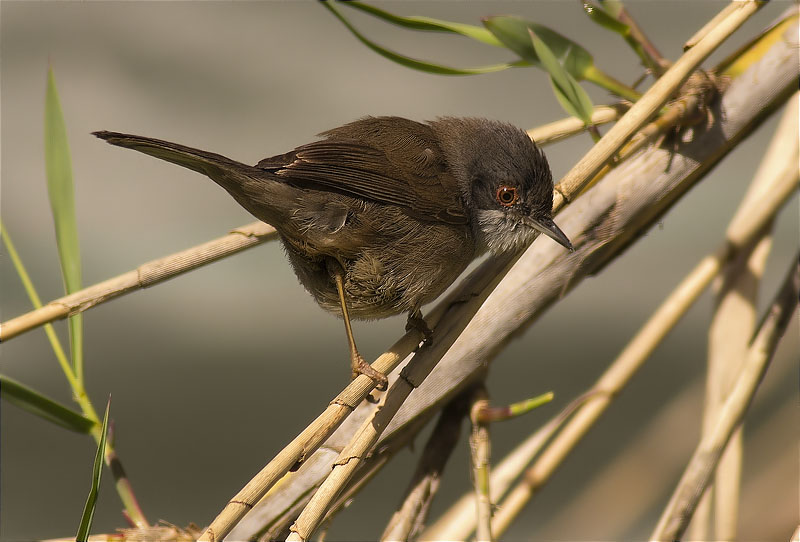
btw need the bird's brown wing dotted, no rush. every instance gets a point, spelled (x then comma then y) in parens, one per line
(387, 160)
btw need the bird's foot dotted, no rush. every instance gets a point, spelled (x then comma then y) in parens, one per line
(361, 367)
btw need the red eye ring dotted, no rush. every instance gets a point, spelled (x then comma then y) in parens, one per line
(507, 195)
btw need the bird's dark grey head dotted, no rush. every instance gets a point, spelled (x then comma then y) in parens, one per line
(505, 181)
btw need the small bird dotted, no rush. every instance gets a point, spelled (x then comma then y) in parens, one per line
(379, 216)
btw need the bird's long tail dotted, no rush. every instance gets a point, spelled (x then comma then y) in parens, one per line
(208, 163)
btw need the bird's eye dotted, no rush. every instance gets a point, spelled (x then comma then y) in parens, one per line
(507, 196)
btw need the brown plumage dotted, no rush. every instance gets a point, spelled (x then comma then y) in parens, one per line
(393, 209)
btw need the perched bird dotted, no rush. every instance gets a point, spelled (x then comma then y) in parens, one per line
(381, 215)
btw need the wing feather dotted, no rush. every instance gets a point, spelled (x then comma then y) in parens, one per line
(387, 160)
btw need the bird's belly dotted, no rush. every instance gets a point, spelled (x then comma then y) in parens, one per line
(377, 287)
(395, 272)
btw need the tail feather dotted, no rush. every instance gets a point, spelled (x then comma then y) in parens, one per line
(258, 191)
(207, 163)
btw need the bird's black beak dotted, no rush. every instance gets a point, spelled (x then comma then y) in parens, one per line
(549, 228)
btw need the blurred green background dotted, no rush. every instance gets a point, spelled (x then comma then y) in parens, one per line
(239, 344)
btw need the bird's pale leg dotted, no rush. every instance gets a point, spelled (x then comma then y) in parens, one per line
(356, 361)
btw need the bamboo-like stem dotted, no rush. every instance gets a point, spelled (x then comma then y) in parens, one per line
(570, 126)
(678, 512)
(750, 218)
(446, 331)
(145, 275)
(732, 325)
(717, 19)
(458, 522)
(676, 115)
(307, 441)
(131, 507)
(649, 104)
(654, 453)
(728, 477)
(413, 374)
(700, 526)
(480, 452)
(410, 517)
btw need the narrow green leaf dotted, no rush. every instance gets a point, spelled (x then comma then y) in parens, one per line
(513, 33)
(97, 471)
(60, 188)
(413, 63)
(428, 24)
(34, 402)
(569, 93)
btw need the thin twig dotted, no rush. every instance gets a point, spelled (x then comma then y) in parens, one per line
(680, 112)
(145, 275)
(655, 61)
(492, 414)
(570, 126)
(410, 517)
(736, 314)
(413, 374)
(459, 520)
(307, 441)
(680, 508)
(718, 18)
(480, 452)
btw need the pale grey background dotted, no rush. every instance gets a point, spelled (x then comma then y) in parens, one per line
(239, 343)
